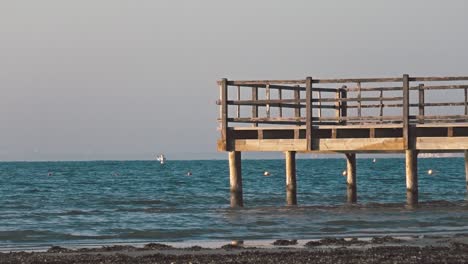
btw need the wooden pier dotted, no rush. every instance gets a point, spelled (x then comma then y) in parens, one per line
(406, 114)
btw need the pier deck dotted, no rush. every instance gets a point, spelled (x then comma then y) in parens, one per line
(364, 115)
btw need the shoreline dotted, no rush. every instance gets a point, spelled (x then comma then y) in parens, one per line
(409, 239)
(428, 248)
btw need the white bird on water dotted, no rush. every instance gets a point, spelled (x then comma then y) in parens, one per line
(161, 158)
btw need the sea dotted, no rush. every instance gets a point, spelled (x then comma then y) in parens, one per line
(108, 202)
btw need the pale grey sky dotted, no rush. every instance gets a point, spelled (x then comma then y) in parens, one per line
(111, 79)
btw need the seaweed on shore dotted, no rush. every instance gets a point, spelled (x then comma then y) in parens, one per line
(385, 239)
(58, 249)
(157, 246)
(328, 241)
(284, 242)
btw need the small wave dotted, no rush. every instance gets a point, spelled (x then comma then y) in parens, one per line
(45, 235)
(78, 212)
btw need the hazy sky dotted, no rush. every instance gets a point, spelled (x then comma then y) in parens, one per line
(110, 79)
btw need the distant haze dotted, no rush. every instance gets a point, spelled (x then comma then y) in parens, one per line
(110, 79)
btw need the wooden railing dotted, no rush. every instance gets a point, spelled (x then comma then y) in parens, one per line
(342, 102)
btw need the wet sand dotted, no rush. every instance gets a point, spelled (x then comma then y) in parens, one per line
(427, 249)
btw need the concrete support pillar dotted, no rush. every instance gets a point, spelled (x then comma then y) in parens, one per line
(411, 177)
(351, 177)
(235, 176)
(466, 168)
(291, 189)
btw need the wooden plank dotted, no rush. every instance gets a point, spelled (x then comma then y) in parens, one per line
(355, 80)
(285, 127)
(271, 145)
(362, 99)
(266, 82)
(442, 143)
(411, 105)
(443, 117)
(347, 80)
(309, 113)
(406, 132)
(439, 79)
(289, 87)
(360, 144)
(353, 144)
(357, 118)
(399, 88)
(445, 87)
(281, 103)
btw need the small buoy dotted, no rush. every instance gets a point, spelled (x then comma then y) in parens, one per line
(266, 173)
(237, 243)
(345, 173)
(374, 161)
(189, 173)
(50, 174)
(430, 172)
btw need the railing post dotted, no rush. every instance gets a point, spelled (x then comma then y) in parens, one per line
(297, 98)
(406, 128)
(381, 106)
(238, 99)
(224, 113)
(267, 95)
(359, 99)
(255, 107)
(344, 104)
(466, 101)
(421, 103)
(280, 97)
(309, 114)
(338, 106)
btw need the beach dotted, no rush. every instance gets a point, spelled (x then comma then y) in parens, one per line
(424, 249)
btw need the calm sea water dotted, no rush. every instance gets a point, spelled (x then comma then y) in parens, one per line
(105, 202)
